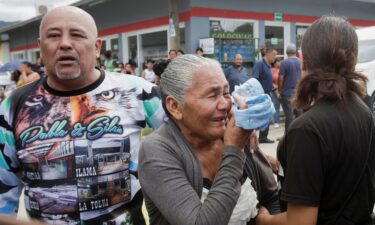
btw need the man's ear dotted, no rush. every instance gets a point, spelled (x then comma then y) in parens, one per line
(173, 107)
(98, 46)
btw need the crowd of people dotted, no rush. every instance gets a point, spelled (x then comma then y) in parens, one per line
(131, 67)
(71, 137)
(26, 73)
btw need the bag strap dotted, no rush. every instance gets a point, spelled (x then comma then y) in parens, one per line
(363, 172)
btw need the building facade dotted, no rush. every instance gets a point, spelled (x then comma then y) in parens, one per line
(141, 29)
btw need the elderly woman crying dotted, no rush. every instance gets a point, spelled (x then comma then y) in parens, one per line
(193, 169)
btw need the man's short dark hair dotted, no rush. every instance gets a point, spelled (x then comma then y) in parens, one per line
(159, 67)
(269, 49)
(108, 54)
(30, 65)
(132, 63)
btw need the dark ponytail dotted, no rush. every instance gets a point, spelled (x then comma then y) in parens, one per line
(330, 48)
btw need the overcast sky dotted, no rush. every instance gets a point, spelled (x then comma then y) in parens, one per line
(18, 10)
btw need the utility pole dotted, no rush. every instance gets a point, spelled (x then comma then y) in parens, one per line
(174, 29)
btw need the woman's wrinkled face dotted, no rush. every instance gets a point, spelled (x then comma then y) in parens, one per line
(206, 104)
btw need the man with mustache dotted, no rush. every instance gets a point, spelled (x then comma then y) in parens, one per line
(73, 136)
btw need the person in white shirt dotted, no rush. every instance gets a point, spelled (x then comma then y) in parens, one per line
(148, 73)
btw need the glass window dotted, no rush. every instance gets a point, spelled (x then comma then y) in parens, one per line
(300, 31)
(114, 47)
(102, 52)
(104, 47)
(154, 45)
(275, 38)
(232, 37)
(133, 48)
(34, 56)
(18, 56)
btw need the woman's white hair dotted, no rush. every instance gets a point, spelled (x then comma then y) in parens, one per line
(177, 78)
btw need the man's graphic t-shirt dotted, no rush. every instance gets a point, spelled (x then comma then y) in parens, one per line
(76, 152)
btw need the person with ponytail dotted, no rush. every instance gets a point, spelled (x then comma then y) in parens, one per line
(328, 153)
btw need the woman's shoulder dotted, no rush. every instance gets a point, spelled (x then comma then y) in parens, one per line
(329, 114)
(160, 139)
(161, 145)
(157, 136)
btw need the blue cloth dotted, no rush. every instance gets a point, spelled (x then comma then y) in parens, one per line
(260, 109)
(290, 68)
(235, 76)
(262, 72)
(10, 66)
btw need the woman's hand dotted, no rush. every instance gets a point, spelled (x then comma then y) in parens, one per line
(234, 135)
(253, 141)
(275, 164)
(263, 210)
(262, 215)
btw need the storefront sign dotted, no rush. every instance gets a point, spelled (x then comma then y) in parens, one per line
(207, 44)
(278, 17)
(231, 35)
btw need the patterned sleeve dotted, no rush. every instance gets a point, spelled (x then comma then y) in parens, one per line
(152, 105)
(9, 181)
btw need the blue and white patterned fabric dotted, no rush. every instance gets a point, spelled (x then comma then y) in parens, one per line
(259, 111)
